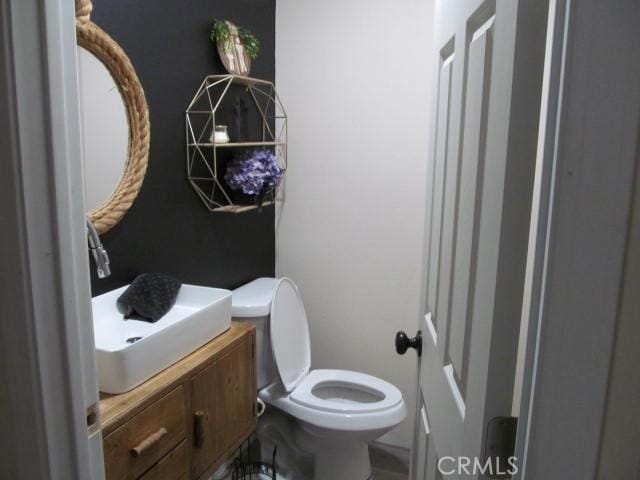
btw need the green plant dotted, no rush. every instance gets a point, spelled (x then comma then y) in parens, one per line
(220, 32)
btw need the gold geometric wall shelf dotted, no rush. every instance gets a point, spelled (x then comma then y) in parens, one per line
(256, 119)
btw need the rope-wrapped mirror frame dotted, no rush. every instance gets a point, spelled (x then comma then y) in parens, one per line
(104, 48)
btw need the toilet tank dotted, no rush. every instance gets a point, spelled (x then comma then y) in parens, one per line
(252, 303)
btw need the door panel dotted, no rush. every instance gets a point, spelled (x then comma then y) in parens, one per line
(422, 440)
(469, 188)
(438, 397)
(442, 127)
(487, 99)
(426, 464)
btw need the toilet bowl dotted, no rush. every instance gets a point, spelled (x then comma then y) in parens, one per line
(337, 412)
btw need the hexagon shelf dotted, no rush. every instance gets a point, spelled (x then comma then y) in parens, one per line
(255, 117)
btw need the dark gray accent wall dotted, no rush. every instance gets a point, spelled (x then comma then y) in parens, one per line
(168, 229)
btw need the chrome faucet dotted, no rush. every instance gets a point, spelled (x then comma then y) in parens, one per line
(100, 256)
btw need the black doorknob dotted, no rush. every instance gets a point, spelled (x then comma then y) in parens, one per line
(403, 342)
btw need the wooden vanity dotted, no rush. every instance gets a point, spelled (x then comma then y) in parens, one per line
(186, 421)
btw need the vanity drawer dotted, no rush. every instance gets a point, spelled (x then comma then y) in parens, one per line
(135, 446)
(174, 466)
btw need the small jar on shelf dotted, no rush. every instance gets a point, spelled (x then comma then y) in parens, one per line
(220, 134)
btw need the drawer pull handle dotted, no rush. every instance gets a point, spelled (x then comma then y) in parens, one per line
(198, 428)
(148, 442)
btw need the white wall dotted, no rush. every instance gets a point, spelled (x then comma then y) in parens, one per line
(354, 77)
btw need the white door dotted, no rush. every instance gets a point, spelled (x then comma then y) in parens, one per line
(489, 58)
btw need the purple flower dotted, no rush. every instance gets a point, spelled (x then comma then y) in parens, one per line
(255, 174)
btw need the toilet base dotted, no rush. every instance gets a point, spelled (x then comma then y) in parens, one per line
(336, 455)
(342, 461)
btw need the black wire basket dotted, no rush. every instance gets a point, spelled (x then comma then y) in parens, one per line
(245, 468)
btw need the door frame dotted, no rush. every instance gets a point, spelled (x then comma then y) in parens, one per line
(46, 337)
(587, 171)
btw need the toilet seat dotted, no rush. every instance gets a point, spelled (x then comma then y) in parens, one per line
(344, 391)
(364, 420)
(337, 400)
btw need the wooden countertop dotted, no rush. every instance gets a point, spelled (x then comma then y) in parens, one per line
(116, 409)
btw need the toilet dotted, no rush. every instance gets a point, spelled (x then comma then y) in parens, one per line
(337, 412)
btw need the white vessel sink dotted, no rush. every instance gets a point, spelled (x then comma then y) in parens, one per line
(128, 352)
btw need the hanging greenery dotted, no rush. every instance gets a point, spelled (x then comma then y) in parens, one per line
(221, 32)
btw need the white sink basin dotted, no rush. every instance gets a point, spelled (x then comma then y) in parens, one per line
(128, 352)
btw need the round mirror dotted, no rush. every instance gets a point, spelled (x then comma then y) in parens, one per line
(115, 121)
(105, 130)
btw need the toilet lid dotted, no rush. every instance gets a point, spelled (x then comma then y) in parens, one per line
(289, 334)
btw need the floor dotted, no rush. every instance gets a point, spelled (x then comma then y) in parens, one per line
(389, 463)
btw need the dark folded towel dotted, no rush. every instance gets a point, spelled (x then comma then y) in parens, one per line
(149, 297)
